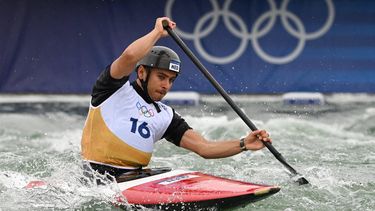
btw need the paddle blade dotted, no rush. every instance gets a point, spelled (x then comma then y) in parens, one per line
(300, 180)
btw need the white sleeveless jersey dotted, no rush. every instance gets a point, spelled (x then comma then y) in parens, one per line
(122, 130)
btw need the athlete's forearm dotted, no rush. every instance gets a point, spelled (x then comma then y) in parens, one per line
(195, 142)
(220, 149)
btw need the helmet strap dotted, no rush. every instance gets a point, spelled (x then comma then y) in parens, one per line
(144, 84)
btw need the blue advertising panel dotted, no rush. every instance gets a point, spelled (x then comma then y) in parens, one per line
(249, 46)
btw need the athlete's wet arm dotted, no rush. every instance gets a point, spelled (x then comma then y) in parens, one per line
(181, 134)
(124, 65)
(195, 142)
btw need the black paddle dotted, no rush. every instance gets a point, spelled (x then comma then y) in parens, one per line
(299, 178)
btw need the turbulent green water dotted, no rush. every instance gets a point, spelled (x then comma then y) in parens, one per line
(333, 146)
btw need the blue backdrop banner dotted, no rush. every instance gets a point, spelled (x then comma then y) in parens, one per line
(249, 46)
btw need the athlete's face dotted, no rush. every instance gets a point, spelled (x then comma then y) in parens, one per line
(160, 82)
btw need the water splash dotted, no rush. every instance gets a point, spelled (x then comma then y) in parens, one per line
(335, 155)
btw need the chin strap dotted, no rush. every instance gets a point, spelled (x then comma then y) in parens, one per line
(145, 90)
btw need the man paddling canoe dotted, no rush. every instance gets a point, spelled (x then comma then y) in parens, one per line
(126, 118)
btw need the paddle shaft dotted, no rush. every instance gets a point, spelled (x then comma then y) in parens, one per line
(220, 89)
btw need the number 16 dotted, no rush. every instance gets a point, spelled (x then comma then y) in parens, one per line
(143, 130)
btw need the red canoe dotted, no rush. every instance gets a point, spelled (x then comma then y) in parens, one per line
(191, 190)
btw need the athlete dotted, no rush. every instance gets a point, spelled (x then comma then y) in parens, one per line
(126, 118)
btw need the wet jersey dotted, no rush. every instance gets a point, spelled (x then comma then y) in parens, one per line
(122, 127)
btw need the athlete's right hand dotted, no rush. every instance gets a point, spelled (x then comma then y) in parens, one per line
(159, 25)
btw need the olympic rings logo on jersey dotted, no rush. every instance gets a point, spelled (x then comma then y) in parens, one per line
(144, 111)
(256, 32)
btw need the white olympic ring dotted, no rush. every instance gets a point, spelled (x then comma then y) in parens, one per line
(244, 35)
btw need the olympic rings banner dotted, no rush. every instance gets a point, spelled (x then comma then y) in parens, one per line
(250, 46)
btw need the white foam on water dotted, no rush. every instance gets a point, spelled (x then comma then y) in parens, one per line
(370, 111)
(336, 157)
(64, 190)
(219, 127)
(9, 179)
(53, 141)
(65, 140)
